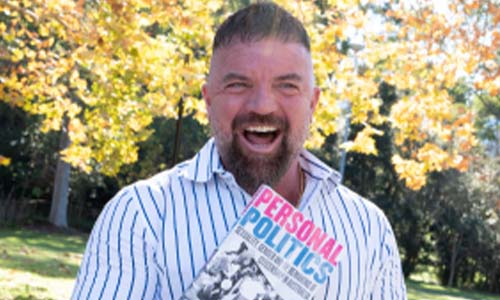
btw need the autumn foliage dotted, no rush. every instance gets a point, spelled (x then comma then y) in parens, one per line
(103, 70)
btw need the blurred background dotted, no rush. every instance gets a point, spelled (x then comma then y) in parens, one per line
(95, 95)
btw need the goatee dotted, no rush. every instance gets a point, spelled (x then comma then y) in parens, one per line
(252, 170)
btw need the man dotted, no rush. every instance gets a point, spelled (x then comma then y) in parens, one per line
(155, 236)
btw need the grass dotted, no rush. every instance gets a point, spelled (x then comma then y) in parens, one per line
(423, 285)
(418, 290)
(38, 265)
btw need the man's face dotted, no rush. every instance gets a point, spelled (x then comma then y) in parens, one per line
(260, 98)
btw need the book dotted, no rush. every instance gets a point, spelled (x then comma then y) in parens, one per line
(272, 253)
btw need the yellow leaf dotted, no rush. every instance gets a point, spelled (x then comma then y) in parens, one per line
(411, 171)
(363, 142)
(433, 157)
(4, 161)
(43, 30)
(17, 55)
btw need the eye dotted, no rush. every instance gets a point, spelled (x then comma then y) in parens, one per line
(288, 87)
(237, 85)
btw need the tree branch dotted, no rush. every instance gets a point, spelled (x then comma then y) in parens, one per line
(21, 10)
(37, 19)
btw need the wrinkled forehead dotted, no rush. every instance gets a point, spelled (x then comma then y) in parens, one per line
(268, 53)
(237, 42)
(285, 37)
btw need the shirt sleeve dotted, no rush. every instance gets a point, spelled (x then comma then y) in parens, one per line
(389, 283)
(119, 258)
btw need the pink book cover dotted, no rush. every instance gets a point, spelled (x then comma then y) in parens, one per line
(273, 253)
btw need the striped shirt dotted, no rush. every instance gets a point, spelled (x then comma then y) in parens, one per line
(154, 236)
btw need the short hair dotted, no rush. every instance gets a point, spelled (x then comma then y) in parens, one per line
(258, 21)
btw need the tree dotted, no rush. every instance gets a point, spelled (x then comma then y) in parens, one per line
(424, 51)
(26, 181)
(110, 67)
(107, 68)
(466, 228)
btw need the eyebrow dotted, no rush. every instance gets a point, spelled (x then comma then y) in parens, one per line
(234, 76)
(291, 76)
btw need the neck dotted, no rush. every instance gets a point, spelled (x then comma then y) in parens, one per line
(292, 184)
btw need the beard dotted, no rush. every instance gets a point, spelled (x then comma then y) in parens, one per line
(252, 170)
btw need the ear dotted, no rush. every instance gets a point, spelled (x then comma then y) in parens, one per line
(204, 93)
(315, 98)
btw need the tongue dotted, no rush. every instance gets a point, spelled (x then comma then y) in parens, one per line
(259, 138)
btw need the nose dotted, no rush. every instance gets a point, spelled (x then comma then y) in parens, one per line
(262, 101)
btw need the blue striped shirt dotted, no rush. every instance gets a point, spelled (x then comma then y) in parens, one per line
(154, 236)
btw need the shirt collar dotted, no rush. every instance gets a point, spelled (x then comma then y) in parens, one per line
(317, 169)
(207, 162)
(203, 165)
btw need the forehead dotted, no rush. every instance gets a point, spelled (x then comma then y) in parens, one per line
(268, 56)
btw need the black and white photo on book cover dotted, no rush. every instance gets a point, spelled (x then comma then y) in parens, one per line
(273, 253)
(233, 274)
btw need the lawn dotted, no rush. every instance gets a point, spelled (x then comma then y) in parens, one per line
(41, 265)
(38, 265)
(428, 291)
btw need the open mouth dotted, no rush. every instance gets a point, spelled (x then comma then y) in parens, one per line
(260, 134)
(261, 138)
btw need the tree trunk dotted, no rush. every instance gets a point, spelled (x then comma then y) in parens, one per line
(59, 206)
(453, 260)
(493, 280)
(178, 127)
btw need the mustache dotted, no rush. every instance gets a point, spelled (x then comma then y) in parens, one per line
(252, 118)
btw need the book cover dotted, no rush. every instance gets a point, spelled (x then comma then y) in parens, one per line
(273, 253)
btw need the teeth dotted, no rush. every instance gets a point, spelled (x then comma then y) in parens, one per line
(261, 129)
